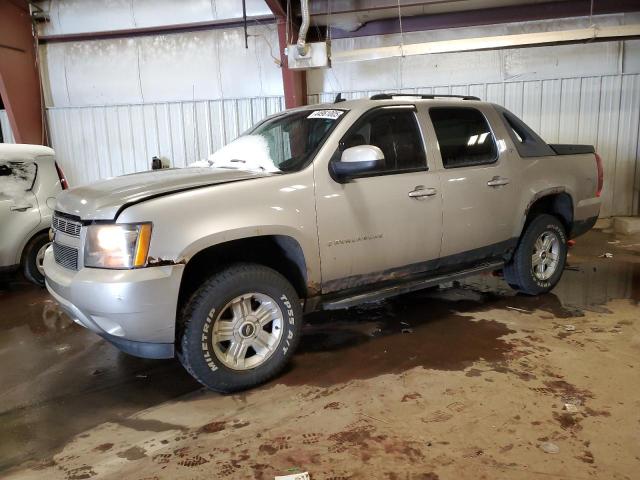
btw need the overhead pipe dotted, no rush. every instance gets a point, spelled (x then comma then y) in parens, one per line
(304, 28)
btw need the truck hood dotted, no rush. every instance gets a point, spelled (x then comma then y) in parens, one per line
(102, 200)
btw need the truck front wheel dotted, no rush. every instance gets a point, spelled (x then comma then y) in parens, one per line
(240, 328)
(538, 262)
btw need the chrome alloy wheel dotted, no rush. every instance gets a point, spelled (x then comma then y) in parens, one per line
(247, 331)
(40, 258)
(546, 255)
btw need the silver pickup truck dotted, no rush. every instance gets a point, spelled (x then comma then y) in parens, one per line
(321, 207)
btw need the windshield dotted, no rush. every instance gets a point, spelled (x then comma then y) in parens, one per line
(285, 143)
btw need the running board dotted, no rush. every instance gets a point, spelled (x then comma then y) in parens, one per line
(406, 287)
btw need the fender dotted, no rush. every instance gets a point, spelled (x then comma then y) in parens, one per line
(546, 192)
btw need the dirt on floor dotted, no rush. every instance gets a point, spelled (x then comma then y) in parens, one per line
(468, 381)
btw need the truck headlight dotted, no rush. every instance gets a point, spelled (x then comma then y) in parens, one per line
(117, 246)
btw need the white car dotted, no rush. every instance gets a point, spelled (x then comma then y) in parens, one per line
(30, 179)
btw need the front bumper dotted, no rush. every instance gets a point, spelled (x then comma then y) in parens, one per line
(133, 309)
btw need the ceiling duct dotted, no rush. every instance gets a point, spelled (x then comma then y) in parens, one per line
(304, 28)
(303, 55)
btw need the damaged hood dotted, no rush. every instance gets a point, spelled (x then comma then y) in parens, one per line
(102, 200)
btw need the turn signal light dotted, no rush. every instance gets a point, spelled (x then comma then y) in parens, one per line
(600, 175)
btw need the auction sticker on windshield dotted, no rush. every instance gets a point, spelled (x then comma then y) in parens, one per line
(330, 114)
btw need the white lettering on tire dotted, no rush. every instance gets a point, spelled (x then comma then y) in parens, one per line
(205, 341)
(292, 320)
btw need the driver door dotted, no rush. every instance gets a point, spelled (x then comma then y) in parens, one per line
(371, 229)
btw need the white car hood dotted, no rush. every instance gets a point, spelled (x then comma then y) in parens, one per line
(103, 200)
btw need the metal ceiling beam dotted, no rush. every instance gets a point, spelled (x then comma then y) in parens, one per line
(278, 7)
(159, 30)
(488, 16)
(19, 79)
(320, 7)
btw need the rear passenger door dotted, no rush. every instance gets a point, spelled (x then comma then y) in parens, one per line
(478, 188)
(385, 224)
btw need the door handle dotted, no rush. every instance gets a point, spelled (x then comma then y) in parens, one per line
(498, 181)
(420, 192)
(20, 208)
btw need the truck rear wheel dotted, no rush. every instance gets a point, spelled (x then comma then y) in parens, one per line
(538, 262)
(240, 328)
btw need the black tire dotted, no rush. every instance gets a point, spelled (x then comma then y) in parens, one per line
(519, 271)
(194, 343)
(30, 258)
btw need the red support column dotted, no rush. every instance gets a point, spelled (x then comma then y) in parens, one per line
(294, 81)
(19, 78)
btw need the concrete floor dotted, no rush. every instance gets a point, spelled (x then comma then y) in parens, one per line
(468, 381)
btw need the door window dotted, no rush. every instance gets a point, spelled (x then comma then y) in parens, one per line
(464, 137)
(396, 133)
(16, 177)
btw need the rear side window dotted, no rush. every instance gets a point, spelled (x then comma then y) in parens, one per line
(16, 177)
(526, 141)
(464, 137)
(396, 133)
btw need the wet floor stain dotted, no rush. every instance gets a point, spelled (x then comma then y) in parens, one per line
(58, 369)
(443, 340)
(142, 425)
(104, 447)
(133, 453)
(213, 427)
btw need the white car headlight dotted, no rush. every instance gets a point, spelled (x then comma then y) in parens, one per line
(117, 246)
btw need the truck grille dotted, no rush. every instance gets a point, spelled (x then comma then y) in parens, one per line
(67, 226)
(65, 256)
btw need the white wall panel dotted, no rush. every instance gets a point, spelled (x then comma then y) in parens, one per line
(531, 104)
(591, 89)
(153, 13)
(102, 141)
(514, 97)
(164, 59)
(569, 115)
(97, 72)
(81, 16)
(550, 110)
(199, 65)
(624, 187)
(75, 16)
(607, 136)
(7, 133)
(53, 74)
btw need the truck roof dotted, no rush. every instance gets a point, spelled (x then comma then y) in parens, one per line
(18, 151)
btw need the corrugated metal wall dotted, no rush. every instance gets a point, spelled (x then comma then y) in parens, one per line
(603, 111)
(102, 141)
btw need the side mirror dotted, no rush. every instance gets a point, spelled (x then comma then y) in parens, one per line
(356, 161)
